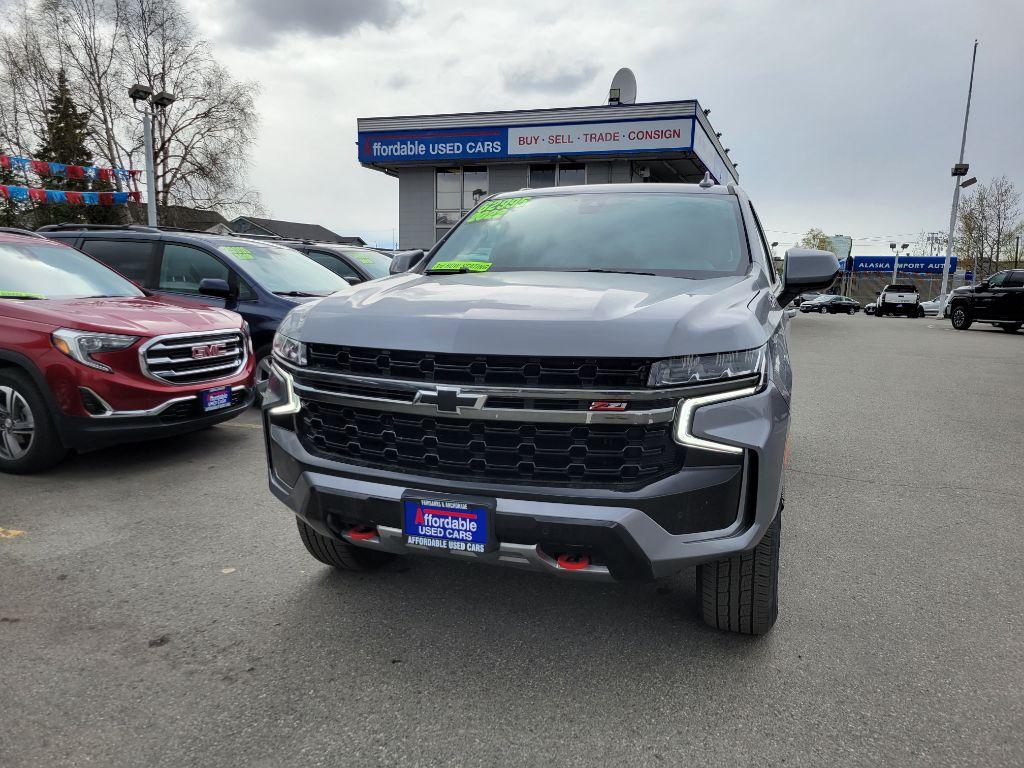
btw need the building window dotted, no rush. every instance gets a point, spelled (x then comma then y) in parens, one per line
(457, 191)
(560, 174)
(571, 173)
(542, 176)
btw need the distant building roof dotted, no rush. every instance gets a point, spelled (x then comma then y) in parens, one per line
(179, 216)
(291, 230)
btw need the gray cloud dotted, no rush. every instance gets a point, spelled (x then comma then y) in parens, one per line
(262, 22)
(541, 77)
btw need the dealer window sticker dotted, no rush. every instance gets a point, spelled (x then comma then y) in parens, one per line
(455, 266)
(21, 295)
(495, 209)
(239, 252)
(364, 259)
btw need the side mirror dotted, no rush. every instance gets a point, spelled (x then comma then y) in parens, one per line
(806, 270)
(351, 279)
(214, 286)
(404, 261)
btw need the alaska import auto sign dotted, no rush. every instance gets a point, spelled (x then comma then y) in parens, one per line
(485, 143)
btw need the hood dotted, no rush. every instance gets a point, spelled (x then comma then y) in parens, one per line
(144, 316)
(543, 314)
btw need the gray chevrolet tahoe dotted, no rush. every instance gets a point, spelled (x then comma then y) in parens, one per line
(586, 381)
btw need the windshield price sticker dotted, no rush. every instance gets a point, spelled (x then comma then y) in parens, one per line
(457, 526)
(237, 252)
(495, 209)
(21, 295)
(364, 259)
(454, 266)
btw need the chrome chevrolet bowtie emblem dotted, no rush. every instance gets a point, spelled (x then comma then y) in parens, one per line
(450, 399)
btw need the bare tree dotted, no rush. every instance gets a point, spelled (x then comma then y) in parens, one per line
(104, 46)
(989, 222)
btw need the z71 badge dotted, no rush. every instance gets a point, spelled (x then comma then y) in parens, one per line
(608, 405)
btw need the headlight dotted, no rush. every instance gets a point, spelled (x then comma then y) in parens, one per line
(289, 349)
(82, 345)
(705, 369)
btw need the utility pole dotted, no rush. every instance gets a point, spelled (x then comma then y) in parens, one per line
(1016, 252)
(959, 171)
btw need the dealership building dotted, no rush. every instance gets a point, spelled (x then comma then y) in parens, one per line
(445, 164)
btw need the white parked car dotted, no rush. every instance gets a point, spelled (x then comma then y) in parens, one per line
(931, 307)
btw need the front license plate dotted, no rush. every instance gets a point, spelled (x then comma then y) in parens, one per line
(457, 526)
(215, 399)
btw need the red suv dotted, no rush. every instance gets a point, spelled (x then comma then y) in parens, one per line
(88, 359)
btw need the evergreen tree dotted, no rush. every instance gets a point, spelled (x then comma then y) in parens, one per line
(65, 134)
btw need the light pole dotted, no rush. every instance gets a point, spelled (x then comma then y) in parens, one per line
(896, 257)
(143, 95)
(959, 171)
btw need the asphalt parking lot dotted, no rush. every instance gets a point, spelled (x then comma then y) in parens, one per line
(159, 610)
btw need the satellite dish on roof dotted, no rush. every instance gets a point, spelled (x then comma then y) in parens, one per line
(623, 90)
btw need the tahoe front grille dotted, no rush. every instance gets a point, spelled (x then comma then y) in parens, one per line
(554, 453)
(194, 358)
(493, 370)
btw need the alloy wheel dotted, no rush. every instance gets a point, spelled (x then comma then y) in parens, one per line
(17, 425)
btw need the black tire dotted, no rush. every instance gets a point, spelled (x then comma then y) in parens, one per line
(341, 554)
(823, 310)
(960, 317)
(1012, 327)
(42, 448)
(852, 311)
(740, 593)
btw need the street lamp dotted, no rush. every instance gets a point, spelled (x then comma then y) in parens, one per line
(896, 257)
(144, 100)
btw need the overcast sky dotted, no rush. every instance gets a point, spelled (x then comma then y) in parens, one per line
(841, 115)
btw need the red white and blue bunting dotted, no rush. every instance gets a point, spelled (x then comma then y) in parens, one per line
(45, 169)
(67, 197)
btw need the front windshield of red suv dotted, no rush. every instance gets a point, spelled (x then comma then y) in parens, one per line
(692, 235)
(43, 270)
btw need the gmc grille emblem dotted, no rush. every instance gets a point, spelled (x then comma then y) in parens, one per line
(200, 351)
(449, 399)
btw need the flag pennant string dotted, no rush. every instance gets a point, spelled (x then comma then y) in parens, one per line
(67, 197)
(45, 169)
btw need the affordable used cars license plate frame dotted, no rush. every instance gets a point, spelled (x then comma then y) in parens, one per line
(447, 523)
(215, 399)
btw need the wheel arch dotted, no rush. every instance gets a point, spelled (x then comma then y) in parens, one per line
(16, 360)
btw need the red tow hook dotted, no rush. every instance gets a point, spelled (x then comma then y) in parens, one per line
(572, 562)
(362, 532)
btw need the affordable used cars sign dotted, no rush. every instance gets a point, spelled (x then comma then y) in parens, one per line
(525, 141)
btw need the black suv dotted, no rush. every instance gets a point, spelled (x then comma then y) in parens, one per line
(262, 280)
(998, 301)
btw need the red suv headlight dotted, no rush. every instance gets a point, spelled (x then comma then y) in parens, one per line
(82, 345)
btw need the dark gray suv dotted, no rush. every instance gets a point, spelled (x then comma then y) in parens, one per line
(588, 381)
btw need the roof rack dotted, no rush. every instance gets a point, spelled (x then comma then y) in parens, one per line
(72, 226)
(253, 236)
(20, 231)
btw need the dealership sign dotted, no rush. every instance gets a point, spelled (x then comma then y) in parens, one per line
(914, 264)
(526, 141)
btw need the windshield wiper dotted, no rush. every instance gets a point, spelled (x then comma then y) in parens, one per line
(298, 293)
(459, 271)
(23, 297)
(615, 272)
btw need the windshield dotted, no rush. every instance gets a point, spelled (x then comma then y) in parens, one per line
(50, 271)
(283, 270)
(678, 235)
(374, 262)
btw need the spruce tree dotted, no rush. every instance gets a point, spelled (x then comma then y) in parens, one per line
(64, 141)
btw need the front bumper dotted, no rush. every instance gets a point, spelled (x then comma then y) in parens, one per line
(86, 433)
(618, 530)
